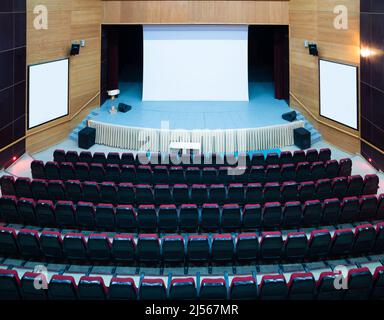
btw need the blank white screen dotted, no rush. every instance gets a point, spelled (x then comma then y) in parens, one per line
(48, 92)
(338, 93)
(195, 63)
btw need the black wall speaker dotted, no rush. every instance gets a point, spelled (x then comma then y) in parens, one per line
(290, 116)
(75, 49)
(302, 138)
(124, 107)
(313, 49)
(87, 137)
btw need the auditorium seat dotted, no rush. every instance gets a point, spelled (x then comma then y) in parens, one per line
(271, 245)
(213, 289)
(217, 193)
(92, 288)
(247, 246)
(319, 243)
(173, 248)
(65, 214)
(273, 287)
(371, 183)
(72, 156)
(231, 217)
(28, 287)
(199, 194)
(198, 248)
(311, 213)
(45, 213)
(85, 156)
(52, 171)
(99, 246)
(39, 189)
(105, 216)
(29, 242)
(301, 286)
(292, 213)
(243, 288)
(23, 187)
(183, 289)
(349, 209)
(296, 245)
(59, 155)
(189, 217)
(222, 247)
(359, 284)
(342, 241)
(85, 214)
(8, 209)
(96, 172)
(210, 216)
(160, 175)
(62, 287)
(286, 157)
(148, 248)
(75, 246)
(56, 190)
(27, 211)
(51, 244)
(162, 194)
(112, 173)
(82, 171)
(272, 214)
(368, 207)
(332, 168)
(167, 218)
(126, 218)
(122, 289)
(67, 171)
(152, 289)
(176, 175)
(123, 247)
(38, 169)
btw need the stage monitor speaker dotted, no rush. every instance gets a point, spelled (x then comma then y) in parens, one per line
(313, 49)
(290, 116)
(87, 137)
(124, 107)
(302, 138)
(75, 49)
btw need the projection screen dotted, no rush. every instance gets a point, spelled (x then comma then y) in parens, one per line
(48, 92)
(338, 93)
(195, 63)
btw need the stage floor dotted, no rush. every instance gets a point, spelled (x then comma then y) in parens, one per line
(262, 110)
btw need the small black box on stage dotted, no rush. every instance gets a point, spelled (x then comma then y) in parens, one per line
(302, 138)
(124, 107)
(87, 137)
(75, 49)
(289, 116)
(312, 47)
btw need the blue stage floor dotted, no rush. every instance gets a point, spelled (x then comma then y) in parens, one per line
(261, 110)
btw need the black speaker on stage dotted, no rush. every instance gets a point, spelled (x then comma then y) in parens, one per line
(302, 138)
(290, 116)
(75, 49)
(87, 137)
(124, 107)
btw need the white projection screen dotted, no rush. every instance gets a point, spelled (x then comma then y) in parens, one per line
(47, 92)
(195, 63)
(338, 93)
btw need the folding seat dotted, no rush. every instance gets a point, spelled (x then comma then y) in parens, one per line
(299, 156)
(8, 209)
(368, 207)
(319, 243)
(74, 190)
(209, 175)
(271, 192)
(243, 288)
(292, 213)
(355, 185)
(45, 213)
(326, 286)
(99, 157)
(91, 191)
(173, 248)
(113, 158)
(359, 284)
(318, 171)
(257, 174)
(105, 216)
(59, 155)
(380, 207)
(273, 287)
(371, 184)
(39, 188)
(96, 172)
(162, 194)
(82, 171)
(67, 171)
(342, 241)
(56, 190)
(75, 246)
(324, 154)
(289, 191)
(122, 289)
(323, 189)
(51, 244)
(125, 218)
(339, 187)
(247, 246)
(307, 191)
(126, 193)
(148, 248)
(99, 246)
(180, 194)
(210, 217)
(168, 218)
(312, 155)
(144, 194)
(217, 193)
(85, 215)
(52, 171)
(28, 288)
(72, 156)
(272, 173)
(312, 213)
(29, 242)
(379, 243)
(345, 167)
(127, 158)
(112, 173)
(123, 247)
(144, 174)
(23, 188)
(288, 172)
(213, 289)
(252, 216)
(85, 156)
(152, 289)
(231, 217)
(350, 207)
(189, 217)
(128, 173)
(222, 247)
(331, 169)
(62, 287)
(9, 285)
(301, 286)
(303, 171)
(272, 214)
(296, 245)
(160, 174)
(198, 248)
(285, 157)
(182, 289)
(271, 245)
(272, 158)
(7, 184)
(37, 169)
(199, 194)
(176, 175)
(257, 159)
(8, 243)
(27, 212)
(365, 236)
(92, 288)
(108, 192)
(192, 175)
(331, 211)
(254, 193)
(377, 283)
(236, 193)
(147, 217)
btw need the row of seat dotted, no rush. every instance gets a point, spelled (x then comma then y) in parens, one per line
(127, 193)
(192, 248)
(302, 171)
(215, 159)
(361, 283)
(190, 217)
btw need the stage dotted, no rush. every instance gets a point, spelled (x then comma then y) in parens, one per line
(219, 126)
